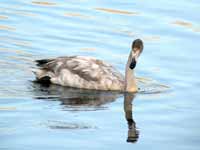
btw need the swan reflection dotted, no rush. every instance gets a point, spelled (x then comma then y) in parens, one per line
(75, 99)
(133, 133)
(86, 100)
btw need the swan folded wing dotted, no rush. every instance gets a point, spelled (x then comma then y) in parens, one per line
(82, 72)
(83, 67)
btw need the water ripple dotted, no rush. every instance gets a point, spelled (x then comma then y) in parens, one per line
(3, 17)
(43, 3)
(115, 11)
(6, 27)
(187, 25)
(67, 125)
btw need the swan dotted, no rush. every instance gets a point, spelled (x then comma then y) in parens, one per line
(89, 73)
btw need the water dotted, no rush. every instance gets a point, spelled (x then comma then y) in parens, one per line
(164, 115)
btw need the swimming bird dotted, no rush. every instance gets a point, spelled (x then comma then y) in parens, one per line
(90, 73)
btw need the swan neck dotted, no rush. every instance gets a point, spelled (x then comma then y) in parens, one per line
(130, 81)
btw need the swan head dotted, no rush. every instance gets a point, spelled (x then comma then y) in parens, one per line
(137, 48)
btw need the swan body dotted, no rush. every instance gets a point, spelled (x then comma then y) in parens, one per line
(81, 72)
(86, 73)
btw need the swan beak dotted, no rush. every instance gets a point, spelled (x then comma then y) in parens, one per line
(134, 59)
(132, 64)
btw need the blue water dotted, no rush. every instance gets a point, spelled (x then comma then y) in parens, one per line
(163, 115)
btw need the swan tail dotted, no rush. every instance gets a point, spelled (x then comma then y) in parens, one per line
(44, 80)
(42, 62)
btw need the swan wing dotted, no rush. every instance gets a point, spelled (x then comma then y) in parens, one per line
(81, 72)
(87, 68)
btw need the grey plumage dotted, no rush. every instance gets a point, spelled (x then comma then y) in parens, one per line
(80, 72)
(90, 73)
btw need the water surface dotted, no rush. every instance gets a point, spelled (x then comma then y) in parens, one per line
(163, 115)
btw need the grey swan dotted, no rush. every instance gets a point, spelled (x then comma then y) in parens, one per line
(90, 73)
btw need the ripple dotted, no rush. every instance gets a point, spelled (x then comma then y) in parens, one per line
(44, 3)
(88, 49)
(6, 27)
(16, 51)
(84, 108)
(76, 15)
(186, 24)
(124, 32)
(16, 42)
(67, 125)
(7, 131)
(7, 108)
(115, 11)
(3, 17)
(19, 12)
(150, 86)
(151, 38)
(24, 13)
(196, 29)
(182, 23)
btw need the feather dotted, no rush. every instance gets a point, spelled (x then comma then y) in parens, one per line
(80, 72)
